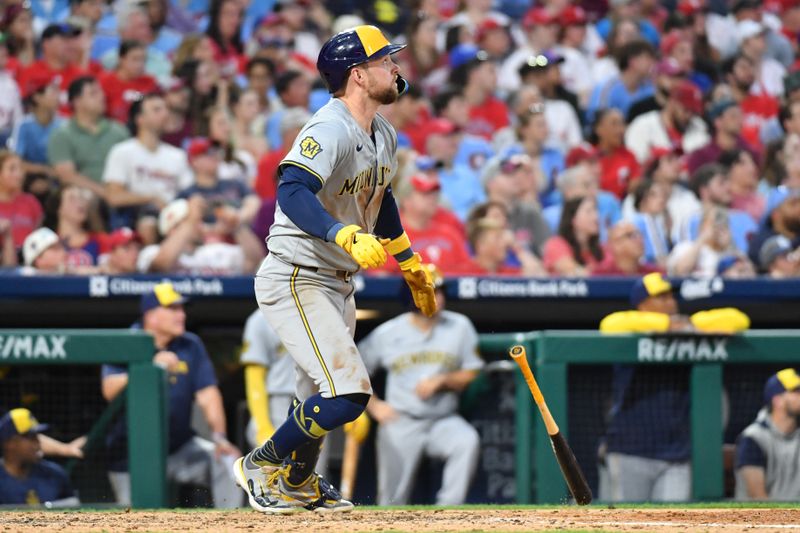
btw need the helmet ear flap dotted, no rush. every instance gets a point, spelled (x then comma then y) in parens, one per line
(402, 85)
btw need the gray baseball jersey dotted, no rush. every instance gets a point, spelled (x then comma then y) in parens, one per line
(354, 174)
(409, 355)
(263, 347)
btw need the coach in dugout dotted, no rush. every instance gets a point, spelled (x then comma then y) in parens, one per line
(767, 451)
(192, 459)
(645, 453)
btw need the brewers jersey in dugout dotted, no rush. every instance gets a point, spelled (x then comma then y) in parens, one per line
(354, 172)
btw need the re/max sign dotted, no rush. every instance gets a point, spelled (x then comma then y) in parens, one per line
(32, 347)
(667, 350)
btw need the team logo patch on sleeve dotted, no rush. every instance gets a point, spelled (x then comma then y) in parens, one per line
(309, 147)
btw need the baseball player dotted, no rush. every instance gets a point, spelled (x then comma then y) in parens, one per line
(336, 214)
(428, 360)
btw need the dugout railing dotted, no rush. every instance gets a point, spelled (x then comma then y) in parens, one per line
(146, 393)
(552, 353)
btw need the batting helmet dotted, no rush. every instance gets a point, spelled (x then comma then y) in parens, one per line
(353, 47)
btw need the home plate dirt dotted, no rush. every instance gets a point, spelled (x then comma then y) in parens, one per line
(367, 520)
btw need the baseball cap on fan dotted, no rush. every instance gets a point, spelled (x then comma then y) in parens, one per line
(161, 295)
(19, 421)
(36, 243)
(688, 95)
(61, 29)
(650, 285)
(121, 237)
(783, 381)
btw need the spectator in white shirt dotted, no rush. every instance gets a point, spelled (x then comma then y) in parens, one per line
(143, 173)
(753, 45)
(679, 123)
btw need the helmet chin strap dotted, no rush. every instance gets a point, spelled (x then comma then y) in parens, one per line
(402, 85)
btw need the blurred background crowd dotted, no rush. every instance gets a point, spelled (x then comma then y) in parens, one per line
(552, 138)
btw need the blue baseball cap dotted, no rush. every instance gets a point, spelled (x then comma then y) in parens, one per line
(785, 380)
(650, 285)
(162, 295)
(464, 53)
(19, 421)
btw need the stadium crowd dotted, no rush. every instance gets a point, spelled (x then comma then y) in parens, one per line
(597, 137)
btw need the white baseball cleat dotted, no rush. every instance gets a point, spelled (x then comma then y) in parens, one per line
(261, 485)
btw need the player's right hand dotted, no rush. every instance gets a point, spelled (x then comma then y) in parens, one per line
(166, 360)
(365, 248)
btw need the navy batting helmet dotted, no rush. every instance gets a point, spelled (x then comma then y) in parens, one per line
(353, 47)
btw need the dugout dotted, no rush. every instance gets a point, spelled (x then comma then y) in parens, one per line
(68, 396)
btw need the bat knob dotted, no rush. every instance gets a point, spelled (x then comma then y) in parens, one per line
(517, 351)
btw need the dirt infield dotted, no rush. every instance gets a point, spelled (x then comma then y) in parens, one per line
(372, 520)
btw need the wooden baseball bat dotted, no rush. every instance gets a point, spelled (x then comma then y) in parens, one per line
(349, 465)
(570, 469)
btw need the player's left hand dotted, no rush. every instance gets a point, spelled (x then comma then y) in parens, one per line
(427, 387)
(421, 284)
(358, 428)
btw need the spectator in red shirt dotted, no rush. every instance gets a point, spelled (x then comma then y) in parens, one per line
(478, 76)
(619, 169)
(128, 82)
(54, 61)
(17, 24)
(727, 121)
(20, 209)
(292, 121)
(624, 253)
(408, 115)
(757, 109)
(79, 46)
(437, 242)
(576, 250)
(224, 28)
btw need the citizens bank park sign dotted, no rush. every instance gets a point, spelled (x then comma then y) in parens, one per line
(104, 286)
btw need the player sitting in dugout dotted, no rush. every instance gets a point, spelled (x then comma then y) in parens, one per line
(767, 450)
(25, 477)
(645, 454)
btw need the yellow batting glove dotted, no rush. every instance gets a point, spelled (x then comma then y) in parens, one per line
(420, 282)
(365, 248)
(358, 428)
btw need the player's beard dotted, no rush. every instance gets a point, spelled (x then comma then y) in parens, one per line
(384, 96)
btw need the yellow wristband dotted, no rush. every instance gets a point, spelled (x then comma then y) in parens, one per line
(398, 244)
